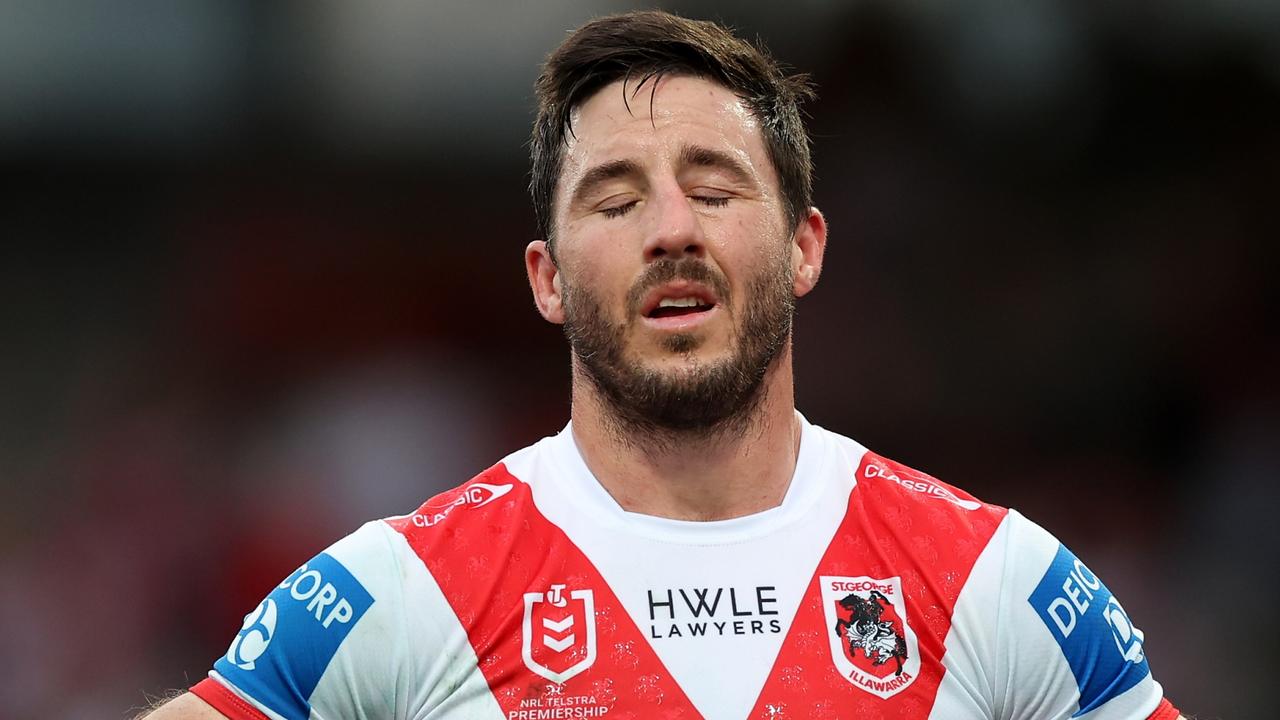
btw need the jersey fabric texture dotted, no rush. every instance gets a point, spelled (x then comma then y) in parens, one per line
(528, 593)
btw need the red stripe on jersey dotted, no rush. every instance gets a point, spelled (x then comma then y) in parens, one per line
(225, 701)
(904, 532)
(1165, 711)
(488, 548)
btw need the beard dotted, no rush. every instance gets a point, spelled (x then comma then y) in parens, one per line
(701, 399)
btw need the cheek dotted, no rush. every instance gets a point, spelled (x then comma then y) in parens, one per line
(596, 276)
(749, 246)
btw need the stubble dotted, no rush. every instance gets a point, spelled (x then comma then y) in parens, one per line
(655, 408)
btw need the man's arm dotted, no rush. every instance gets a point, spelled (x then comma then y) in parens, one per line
(1064, 634)
(304, 650)
(186, 706)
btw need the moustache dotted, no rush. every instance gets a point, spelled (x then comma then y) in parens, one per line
(664, 271)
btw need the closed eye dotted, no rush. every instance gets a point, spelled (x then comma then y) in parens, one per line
(711, 200)
(618, 210)
(708, 200)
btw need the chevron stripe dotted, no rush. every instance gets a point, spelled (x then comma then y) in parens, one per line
(558, 645)
(557, 626)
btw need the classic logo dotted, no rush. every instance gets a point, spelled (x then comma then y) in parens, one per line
(872, 645)
(254, 637)
(559, 639)
(914, 481)
(474, 495)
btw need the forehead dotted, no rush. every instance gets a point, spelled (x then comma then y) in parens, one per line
(654, 122)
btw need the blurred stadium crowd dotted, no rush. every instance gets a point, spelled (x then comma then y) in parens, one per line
(261, 280)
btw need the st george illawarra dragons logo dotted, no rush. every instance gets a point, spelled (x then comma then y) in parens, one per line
(872, 645)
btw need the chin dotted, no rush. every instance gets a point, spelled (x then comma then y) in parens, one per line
(700, 344)
(682, 351)
(683, 343)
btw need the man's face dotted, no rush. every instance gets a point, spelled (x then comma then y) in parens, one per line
(675, 260)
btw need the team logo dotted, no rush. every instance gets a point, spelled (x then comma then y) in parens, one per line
(872, 645)
(255, 636)
(559, 639)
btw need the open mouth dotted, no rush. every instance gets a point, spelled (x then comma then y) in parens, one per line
(676, 307)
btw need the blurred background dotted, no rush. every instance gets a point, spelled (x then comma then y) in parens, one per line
(261, 280)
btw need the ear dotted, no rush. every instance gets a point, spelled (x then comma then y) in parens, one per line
(807, 248)
(544, 280)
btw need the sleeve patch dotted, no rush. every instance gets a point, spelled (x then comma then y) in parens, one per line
(1101, 645)
(286, 643)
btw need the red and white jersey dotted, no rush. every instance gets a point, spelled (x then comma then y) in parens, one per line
(527, 594)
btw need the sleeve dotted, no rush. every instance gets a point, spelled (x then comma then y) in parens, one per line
(327, 642)
(1065, 646)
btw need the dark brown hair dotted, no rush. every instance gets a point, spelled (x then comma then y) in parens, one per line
(644, 46)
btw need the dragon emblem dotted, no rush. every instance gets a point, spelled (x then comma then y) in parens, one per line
(866, 631)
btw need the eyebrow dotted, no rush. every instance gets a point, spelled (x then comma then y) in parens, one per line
(600, 174)
(698, 156)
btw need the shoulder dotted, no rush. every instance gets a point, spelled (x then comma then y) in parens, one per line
(501, 488)
(337, 610)
(471, 529)
(1061, 620)
(896, 479)
(356, 630)
(473, 513)
(897, 494)
(455, 506)
(884, 475)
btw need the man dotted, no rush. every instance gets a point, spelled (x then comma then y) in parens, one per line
(689, 546)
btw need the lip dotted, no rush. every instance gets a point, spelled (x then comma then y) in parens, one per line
(679, 289)
(681, 323)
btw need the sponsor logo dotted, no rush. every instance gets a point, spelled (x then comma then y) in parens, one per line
(1097, 638)
(914, 481)
(286, 643)
(872, 645)
(559, 638)
(1128, 638)
(322, 597)
(700, 612)
(254, 637)
(473, 496)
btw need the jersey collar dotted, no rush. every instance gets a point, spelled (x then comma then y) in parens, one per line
(581, 488)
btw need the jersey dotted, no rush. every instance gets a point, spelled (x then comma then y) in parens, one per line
(528, 593)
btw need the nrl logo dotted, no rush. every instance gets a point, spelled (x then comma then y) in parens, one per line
(872, 645)
(559, 639)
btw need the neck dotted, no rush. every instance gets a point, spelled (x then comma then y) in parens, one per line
(745, 467)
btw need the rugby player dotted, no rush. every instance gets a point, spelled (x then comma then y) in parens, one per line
(689, 545)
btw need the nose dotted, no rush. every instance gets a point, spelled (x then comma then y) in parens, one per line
(675, 229)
